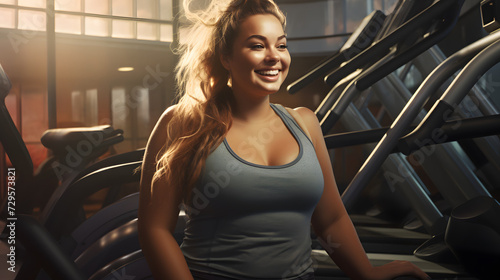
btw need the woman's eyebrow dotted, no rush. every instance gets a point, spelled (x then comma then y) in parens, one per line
(263, 38)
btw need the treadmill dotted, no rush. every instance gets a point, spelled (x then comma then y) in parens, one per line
(476, 217)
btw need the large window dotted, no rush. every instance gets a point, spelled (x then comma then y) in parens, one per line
(125, 19)
(94, 39)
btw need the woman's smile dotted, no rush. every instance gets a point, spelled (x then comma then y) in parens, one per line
(271, 75)
(259, 61)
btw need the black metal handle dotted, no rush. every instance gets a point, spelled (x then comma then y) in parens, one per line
(371, 77)
(382, 47)
(61, 216)
(450, 131)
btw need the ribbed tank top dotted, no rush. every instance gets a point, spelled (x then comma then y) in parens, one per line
(251, 221)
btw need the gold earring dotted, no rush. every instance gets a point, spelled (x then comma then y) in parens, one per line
(230, 81)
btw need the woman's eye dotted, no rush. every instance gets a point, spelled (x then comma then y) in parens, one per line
(283, 47)
(257, 47)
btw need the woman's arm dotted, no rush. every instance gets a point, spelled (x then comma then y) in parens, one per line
(333, 226)
(158, 213)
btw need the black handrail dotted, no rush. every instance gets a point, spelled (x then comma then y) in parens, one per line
(450, 131)
(371, 77)
(382, 47)
(443, 108)
(60, 217)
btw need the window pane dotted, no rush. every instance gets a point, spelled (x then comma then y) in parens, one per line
(68, 5)
(31, 3)
(119, 109)
(32, 20)
(8, 17)
(146, 31)
(123, 29)
(91, 107)
(77, 114)
(146, 9)
(11, 2)
(96, 26)
(97, 7)
(123, 8)
(68, 24)
(34, 113)
(142, 97)
(166, 33)
(166, 9)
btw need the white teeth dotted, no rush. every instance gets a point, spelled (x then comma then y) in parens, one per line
(268, 72)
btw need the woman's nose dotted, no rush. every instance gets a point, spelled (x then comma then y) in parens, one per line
(272, 56)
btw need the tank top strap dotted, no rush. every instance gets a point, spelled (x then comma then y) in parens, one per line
(289, 119)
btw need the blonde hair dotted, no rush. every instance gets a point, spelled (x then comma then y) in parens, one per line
(202, 116)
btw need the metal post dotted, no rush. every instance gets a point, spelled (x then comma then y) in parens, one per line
(175, 41)
(51, 65)
(175, 23)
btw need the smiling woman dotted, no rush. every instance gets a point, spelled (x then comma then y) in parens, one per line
(251, 176)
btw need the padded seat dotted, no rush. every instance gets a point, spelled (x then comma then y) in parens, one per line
(59, 138)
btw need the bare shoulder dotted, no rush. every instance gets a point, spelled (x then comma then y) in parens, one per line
(163, 121)
(166, 116)
(307, 120)
(158, 136)
(307, 115)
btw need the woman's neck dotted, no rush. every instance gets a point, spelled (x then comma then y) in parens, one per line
(255, 110)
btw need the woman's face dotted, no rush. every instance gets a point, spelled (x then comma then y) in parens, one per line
(259, 60)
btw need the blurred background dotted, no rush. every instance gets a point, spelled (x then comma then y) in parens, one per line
(92, 62)
(83, 63)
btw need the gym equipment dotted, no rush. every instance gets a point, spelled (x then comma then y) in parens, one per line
(431, 25)
(62, 213)
(466, 221)
(72, 150)
(406, 49)
(449, 155)
(410, 112)
(475, 220)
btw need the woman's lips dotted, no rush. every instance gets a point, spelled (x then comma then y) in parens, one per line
(268, 75)
(268, 72)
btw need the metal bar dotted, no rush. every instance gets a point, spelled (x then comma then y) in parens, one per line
(400, 176)
(471, 74)
(175, 23)
(51, 65)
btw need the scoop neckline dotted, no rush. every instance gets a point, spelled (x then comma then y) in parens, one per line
(294, 134)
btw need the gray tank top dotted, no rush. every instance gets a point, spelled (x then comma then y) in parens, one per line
(251, 221)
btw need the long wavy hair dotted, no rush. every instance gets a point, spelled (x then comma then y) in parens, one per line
(202, 116)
